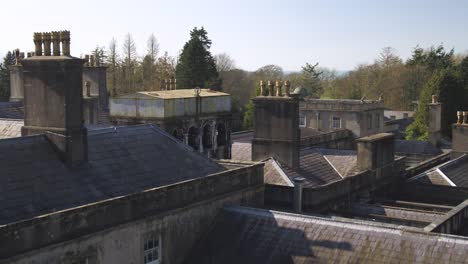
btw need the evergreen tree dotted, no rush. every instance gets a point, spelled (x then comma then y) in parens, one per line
(310, 80)
(447, 86)
(9, 59)
(100, 55)
(196, 67)
(464, 81)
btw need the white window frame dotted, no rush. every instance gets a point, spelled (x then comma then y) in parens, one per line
(302, 120)
(148, 253)
(333, 122)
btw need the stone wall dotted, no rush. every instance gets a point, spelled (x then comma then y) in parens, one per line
(361, 117)
(112, 231)
(453, 222)
(340, 139)
(459, 139)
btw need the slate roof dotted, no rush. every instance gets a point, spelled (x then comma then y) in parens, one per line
(314, 168)
(451, 173)
(123, 160)
(11, 110)
(344, 161)
(241, 151)
(416, 147)
(247, 235)
(10, 128)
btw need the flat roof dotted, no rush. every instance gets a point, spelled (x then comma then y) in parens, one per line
(174, 94)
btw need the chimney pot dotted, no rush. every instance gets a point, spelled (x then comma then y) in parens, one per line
(434, 99)
(262, 88)
(278, 85)
(287, 86)
(465, 118)
(298, 186)
(271, 86)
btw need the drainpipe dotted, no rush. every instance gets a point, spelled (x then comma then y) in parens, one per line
(297, 201)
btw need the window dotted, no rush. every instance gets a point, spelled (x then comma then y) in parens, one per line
(302, 120)
(392, 117)
(336, 122)
(377, 120)
(152, 250)
(405, 115)
(370, 121)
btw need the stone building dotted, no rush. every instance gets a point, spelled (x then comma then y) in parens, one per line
(362, 117)
(201, 118)
(114, 195)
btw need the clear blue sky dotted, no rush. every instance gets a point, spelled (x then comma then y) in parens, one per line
(337, 34)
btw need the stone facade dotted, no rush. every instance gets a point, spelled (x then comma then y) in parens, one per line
(96, 75)
(361, 117)
(201, 118)
(115, 230)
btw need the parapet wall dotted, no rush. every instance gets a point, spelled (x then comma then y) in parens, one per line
(24, 236)
(453, 222)
(340, 139)
(340, 105)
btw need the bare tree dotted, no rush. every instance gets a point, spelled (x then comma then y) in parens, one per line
(112, 61)
(153, 48)
(224, 62)
(129, 61)
(149, 64)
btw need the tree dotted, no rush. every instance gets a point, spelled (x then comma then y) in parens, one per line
(9, 59)
(310, 80)
(269, 72)
(165, 67)
(113, 62)
(446, 85)
(149, 64)
(196, 66)
(100, 55)
(129, 63)
(224, 62)
(248, 116)
(434, 58)
(464, 80)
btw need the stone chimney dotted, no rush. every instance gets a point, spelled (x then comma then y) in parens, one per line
(96, 75)
(460, 134)
(53, 98)
(376, 151)
(16, 78)
(435, 120)
(276, 125)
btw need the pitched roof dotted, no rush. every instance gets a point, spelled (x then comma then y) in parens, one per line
(124, 160)
(241, 151)
(314, 168)
(457, 171)
(247, 235)
(416, 147)
(344, 161)
(451, 173)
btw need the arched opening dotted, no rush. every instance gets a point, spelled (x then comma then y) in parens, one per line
(193, 138)
(207, 138)
(221, 135)
(178, 134)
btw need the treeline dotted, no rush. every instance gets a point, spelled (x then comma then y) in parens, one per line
(129, 72)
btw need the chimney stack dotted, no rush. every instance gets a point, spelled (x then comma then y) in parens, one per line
(53, 99)
(276, 127)
(376, 151)
(435, 120)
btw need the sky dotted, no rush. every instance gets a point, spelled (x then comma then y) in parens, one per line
(337, 34)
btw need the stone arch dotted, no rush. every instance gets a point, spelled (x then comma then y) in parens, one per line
(193, 139)
(221, 137)
(207, 139)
